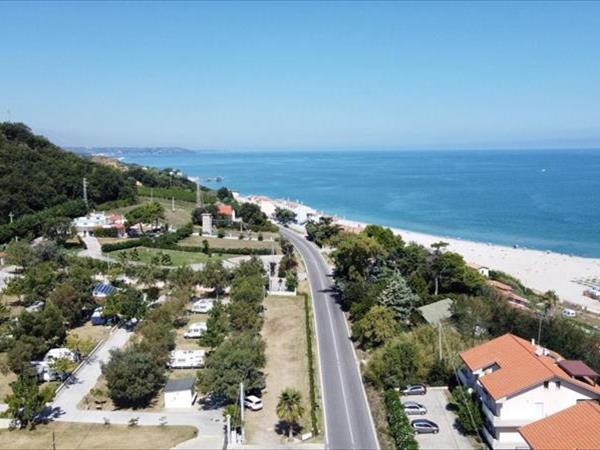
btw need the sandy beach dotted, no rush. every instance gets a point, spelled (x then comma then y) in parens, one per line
(539, 270)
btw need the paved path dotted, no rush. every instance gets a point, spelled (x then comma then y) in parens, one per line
(93, 249)
(207, 422)
(348, 422)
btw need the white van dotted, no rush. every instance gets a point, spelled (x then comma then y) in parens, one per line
(253, 402)
(568, 313)
(195, 330)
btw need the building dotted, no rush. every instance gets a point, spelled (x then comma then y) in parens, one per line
(508, 293)
(574, 427)
(226, 211)
(483, 270)
(437, 312)
(180, 393)
(86, 225)
(519, 382)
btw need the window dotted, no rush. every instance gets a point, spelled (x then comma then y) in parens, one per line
(558, 385)
(546, 384)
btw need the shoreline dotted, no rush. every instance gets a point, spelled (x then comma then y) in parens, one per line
(537, 269)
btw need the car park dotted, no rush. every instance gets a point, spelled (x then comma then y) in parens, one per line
(253, 403)
(415, 389)
(424, 426)
(414, 409)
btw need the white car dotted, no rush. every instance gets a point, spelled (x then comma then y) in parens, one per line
(253, 402)
(414, 408)
(195, 330)
(568, 313)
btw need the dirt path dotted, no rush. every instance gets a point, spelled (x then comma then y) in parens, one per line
(284, 333)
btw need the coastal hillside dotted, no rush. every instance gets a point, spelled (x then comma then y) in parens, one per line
(36, 175)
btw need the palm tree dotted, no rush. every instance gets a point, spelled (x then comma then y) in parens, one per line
(289, 408)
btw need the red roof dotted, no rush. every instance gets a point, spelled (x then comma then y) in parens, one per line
(519, 366)
(572, 428)
(226, 210)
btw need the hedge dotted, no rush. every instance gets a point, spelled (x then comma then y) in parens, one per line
(32, 224)
(399, 427)
(106, 232)
(314, 406)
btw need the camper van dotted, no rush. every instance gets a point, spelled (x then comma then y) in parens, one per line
(195, 330)
(201, 306)
(186, 359)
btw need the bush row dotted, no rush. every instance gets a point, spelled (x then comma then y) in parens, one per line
(32, 224)
(314, 406)
(106, 232)
(399, 427)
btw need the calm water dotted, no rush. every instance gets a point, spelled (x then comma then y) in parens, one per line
(548, 200)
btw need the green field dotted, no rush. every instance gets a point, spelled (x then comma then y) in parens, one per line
(180, 216)
(214, 242)
(178, 258)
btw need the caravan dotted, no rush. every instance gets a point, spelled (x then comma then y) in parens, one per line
(201, 305)
(195, 330)
(186, 359)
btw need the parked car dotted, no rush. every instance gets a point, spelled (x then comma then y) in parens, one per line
(424, 426)
(253, 402)
(569, 312)
(414, 408)
(415, 389)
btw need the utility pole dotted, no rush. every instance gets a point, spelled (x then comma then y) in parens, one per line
(242, 409)
(11, 215)
(228, 436)
(440, 340)
(198, 195)
(172, 203)
(85, 197)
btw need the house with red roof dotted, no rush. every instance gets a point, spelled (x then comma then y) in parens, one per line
(519, 382)
(226, 210)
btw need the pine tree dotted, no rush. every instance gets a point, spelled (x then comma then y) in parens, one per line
(26, 401)
(399, 298)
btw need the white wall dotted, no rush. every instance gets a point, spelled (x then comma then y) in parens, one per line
(540, 402)
(179, 399)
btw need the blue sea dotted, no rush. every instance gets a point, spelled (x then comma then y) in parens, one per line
(543, 199)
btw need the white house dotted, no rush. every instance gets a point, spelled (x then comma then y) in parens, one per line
(85, 225)
(519, 383)
(483, 270)
(186, 359)
(180, 393)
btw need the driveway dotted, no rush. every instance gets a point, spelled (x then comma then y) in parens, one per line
(93, 249)
(449, 437)
(64, 408)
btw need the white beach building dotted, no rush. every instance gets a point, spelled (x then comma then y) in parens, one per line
(180, 393)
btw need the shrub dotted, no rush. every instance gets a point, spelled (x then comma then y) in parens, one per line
(399, 426)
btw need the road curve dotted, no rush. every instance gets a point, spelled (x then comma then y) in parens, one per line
(348, 420)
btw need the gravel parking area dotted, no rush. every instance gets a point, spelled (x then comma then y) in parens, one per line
(449, 437)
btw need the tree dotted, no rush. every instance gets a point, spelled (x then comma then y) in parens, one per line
(357, 256)
(133, 377)
(20, 355)
(323, 231)
(148, 213)
(26, 402)
(208, 209)
(126, 303)
(399, 298)
(396, 364)
(550, 300)
(58, 229)
(469, 413)
(284, 216)
(20, 254)
(239, 358)
(215, 276)
(72, 302)
(291, 280)
(217, 326)
(376, 328)
(384, 236)
(224, 194)
(290, 409)
(451, 274)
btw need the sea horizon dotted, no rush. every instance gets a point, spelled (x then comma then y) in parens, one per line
(544, 199)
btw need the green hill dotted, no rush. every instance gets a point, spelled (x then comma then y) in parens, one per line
(36, 174)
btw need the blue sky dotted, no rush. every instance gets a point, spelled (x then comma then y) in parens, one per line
(242, 75)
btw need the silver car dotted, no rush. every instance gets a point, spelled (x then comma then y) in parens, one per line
(414, 409)
(415, 389)
(424, 426)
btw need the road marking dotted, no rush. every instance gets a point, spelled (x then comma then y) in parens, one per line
(333, 336)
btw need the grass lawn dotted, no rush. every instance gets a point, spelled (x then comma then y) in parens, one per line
(178, 258)
(89, 331)
(215, 242)
(181, 215)
(95, 436)
(287, 366)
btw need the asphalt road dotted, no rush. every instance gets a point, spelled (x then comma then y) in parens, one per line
(348, 422)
